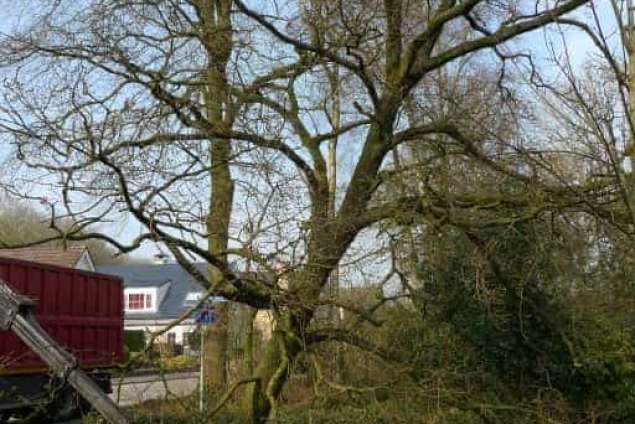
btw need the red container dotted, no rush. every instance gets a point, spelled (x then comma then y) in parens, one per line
(82, 310)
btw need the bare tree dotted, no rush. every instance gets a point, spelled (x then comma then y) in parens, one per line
(171, 111)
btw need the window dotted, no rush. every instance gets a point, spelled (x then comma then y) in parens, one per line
(139, 301)
(192, 298)
(192, 340)
(171, 338)
(135, 301)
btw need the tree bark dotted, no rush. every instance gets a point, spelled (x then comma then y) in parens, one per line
(215, 19)
(273, 369)
(215, 352)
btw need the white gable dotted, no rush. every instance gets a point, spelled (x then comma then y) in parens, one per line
(85, 262)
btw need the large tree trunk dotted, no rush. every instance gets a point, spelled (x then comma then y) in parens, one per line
(286, 343)
(217, 35)
(330, 239)
(273, 370)
(215, 352)
(249, 342)
(629, 44)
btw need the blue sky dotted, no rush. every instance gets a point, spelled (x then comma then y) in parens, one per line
(579, 47)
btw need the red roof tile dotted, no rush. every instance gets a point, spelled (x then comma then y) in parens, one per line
(47, 255)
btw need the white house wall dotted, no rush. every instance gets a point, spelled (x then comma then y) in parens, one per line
(179, 330)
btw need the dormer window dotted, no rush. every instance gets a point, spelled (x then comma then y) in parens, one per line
(192, 298)
(140, 300)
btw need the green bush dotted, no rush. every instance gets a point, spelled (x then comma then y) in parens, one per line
(135, 340)
(179, 362)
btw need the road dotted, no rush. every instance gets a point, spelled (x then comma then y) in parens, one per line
(142, 388)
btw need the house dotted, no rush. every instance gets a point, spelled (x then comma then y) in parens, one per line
(154, 294)
(72, 256)
(157, 294)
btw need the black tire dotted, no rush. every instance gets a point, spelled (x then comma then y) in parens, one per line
(5, 416)
(66, 406)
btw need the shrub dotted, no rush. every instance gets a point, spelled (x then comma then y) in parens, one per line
(135, 340)
(177, 363)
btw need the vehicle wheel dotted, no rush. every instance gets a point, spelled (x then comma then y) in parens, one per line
(66, 406)
(5, 416)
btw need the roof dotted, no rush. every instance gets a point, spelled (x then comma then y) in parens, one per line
(156, 275)
(51, 255)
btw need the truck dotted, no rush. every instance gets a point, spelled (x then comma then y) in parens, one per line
(80, 310)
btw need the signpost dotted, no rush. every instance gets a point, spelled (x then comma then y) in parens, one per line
(205, 315)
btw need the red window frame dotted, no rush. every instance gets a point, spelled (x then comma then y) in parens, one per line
(135, 301)
(139, 301)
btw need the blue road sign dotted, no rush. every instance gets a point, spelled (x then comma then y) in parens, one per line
(206, 315)
(216, 299)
